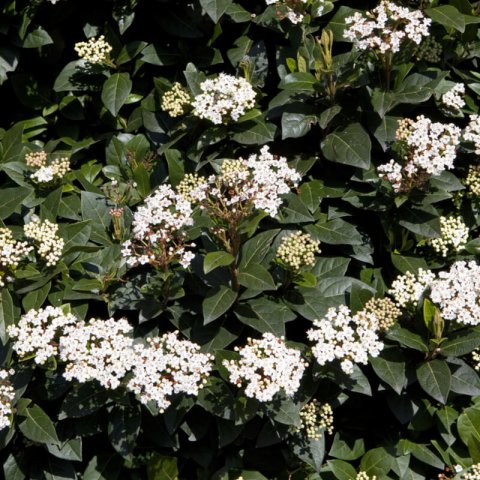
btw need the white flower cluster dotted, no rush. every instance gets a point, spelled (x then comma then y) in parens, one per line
(11, 252)
(290, 9)
(168, 366)
(429, 50)
(453, 99)
(7, 395)
(349, 339)
(98, 350)
(473, 473)
(46, 172)
(364, 476)
(95, 50)
(476, 359)
(38, 332)
(454, 236)
(407, 289)
(297, 250)
(472, 132)
(472, 182)
(316, 418)
(266, 366)
(431, 149)
(224, 98)
(176, 101)
(44, 234)
(159, 230)
(386, 27)
(457, 293)
(242, 184)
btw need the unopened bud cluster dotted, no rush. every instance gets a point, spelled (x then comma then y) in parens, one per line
(45, 171)
(386, 27)
(159, 230)
(472, 181)
(348, 338)
(473, 473)
(364, 476)
(407, 289)
(95, 50)
(266, 367)
(429, 50)
(7, 395)
(44, 235)
(224, 99)
(12, 252)
(297, 251)
(316, 418)
(454, 236)
(192, 187)
(37, 333)
(176, 101)
(453, 99)
(385, 310)
(429, 149)
(476, 359)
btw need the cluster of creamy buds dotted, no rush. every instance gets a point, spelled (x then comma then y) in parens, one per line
(159, 230)
(45, 171)
(176, 101)
(429, 51)
(472, 132)
(407, 289)
(266, 367)
(7, 395)
(291, 9)
(297, 251)
(453, 99)
(453, 236)
(97, 350)
(243, 186)
(12, 252)
(430, 148)
(168, 366)
(315, 418)
(472, 182)
(476, 359)
(345, 337)
(95, 50)
(37, 333)
(364, 476)
(223, 99)
(44, 234)
(192, 187)
(385, 310)
(386, 27)
(473, 473)
(456, 293)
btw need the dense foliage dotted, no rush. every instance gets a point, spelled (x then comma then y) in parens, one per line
(238, 239)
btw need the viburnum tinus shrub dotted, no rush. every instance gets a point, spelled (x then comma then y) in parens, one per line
(239, 239)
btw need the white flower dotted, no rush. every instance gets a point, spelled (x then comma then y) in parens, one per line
(7, 395)
(38, 331)
(12, 252)
(44, 234)
(407, 289)
(224, 98)
(453, 99)
(472, 132)
(454, 236)
(472, 473)
(98, 350)
(45, 171)
(168, 366)
(95, 50)
(349, 339)
(386, 27)
(266, 367)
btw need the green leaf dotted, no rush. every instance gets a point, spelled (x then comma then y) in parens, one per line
(103, 467)
(162, 56)
(351, 146)
(11, 200)
(256, 277)
(435, 379)
(468, 425)
(123, 428)
(295, 125)
(335, 232)
(460, 343)
(37, 426)
(214, 260)
(298, 82)
(217, 303)
(344, 451)
(407, 338)
(255, 132)
(311, 451)
(254, 250)
(406, 264)
(465, 379)
(447, 16)
(390, 367)
(115, 92)
(424, 221)
(37, 38)
(376, 462)
(8, 314)
(215, 8)
(342, 470)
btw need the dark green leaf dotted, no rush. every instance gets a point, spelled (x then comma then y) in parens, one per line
(115, 92)
(435, 378)
(217, 303)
